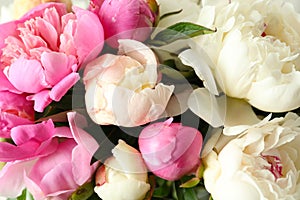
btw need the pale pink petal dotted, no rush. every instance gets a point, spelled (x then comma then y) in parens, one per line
(41, 100)
(81, 159)
(61, 88)
(27, 75)
(12, 178)
(63, 131)
(10, 152)
(56, 65)
(80, 136)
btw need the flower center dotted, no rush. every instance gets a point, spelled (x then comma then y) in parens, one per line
(275, 166)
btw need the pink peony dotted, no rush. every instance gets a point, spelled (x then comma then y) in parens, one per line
(170, 150)
(14, 108)
(125, 19)
(42, 52)
(48, 161)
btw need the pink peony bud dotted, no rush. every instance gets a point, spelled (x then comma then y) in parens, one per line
(125, 19)
(170, 150)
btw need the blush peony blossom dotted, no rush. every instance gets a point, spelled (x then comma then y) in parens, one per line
(50, 162)
(260, 161)
(126, 19)
(42, 52)
(123, 89)
(123, 176)
(255, 51)
(170, 150)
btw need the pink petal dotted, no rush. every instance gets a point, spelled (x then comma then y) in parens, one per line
(80, 136)
(12, 178)
(41, 100)
(89, 35)
(63, 132)
(57, 66)
(7, 29)
(81, 159)
(9, 121)
(61, 88)
(27, 75)
(39, 132)
(5, 85)
(39, 11)
(9, 152)
(48, 33)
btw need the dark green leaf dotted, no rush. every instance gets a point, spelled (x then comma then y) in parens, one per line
(181, 30)
(170, 14)
(83, 192)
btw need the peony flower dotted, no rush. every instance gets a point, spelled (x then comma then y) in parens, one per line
(170, 150)
(255, 51)
(123, 89)
(48, 46)
(50, 162)
(124, 175)
(126, 19)
(260, 161)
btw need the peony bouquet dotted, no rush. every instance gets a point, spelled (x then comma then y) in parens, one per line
(146, 99)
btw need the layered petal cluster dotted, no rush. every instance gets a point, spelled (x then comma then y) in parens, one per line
(124, 89)
(260, 161)
(255, 51)
(50, 162)
(42, 52)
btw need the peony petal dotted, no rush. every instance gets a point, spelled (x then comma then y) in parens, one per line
(80, 136)
(10, 153)
(89, 25)
(27, 75)
(37, 132)
(53, 63)
(196, 59)
(61, 88)
(12, 178)
(81, 168)
(208, 107)
(41, 100)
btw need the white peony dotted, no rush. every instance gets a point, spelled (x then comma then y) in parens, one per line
(255, 51)
(258, 162)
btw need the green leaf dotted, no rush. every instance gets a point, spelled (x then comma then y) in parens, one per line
(190, 183)
(83, 192)
(24, 196)
(170, 14)
(181, 30)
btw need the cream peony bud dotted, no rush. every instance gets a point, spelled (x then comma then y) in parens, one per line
(123, 176)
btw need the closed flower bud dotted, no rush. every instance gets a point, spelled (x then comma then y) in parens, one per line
(126, 19)
(170, 150)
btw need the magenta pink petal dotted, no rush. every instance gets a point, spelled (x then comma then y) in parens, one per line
(63, 132)
(32, 69)
(9, 121)
(41, 100)
(38, 132)
(10, 152)
(12, 178)
(56, 66)
(5, 85)
(61, 88)
(7, 29)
